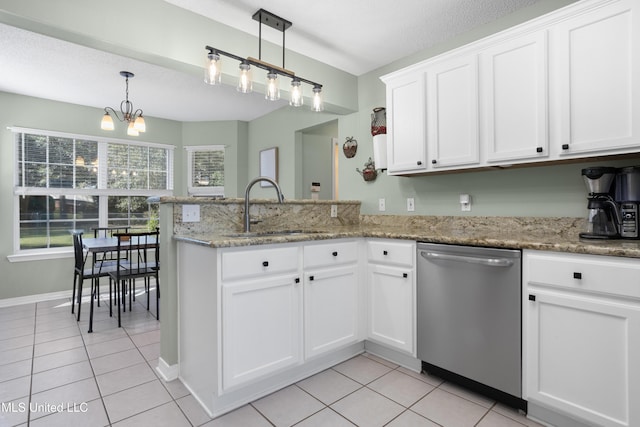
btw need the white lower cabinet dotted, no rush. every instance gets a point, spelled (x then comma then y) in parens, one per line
(391, 287)
(261, 313)
(582, 342)
(331, 295)
(330, 309)
(261, 327)
(254, 319)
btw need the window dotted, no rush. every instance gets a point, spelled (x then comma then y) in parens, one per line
(65, 182)
(205, 170)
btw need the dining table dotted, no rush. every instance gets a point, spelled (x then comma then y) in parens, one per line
(103, 245)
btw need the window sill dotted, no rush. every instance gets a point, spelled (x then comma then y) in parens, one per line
(40, 256)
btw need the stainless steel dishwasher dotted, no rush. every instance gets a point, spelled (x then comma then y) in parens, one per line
(469, 318)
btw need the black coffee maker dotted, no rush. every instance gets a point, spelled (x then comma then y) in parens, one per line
(603, 221)
(627, 195)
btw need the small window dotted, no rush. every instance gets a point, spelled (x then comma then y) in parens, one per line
(205, 170)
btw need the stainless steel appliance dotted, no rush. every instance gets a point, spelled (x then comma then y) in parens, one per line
(603, 221)
(627, 195)
(469, 318)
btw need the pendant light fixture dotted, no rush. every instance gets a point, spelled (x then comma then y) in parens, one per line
(296, 99)
(127, 114)
(213, 73)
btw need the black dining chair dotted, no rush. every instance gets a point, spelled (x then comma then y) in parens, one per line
(142, 249)
(107, 258)
(81, 273)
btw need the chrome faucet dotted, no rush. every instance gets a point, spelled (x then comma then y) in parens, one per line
(247, 222)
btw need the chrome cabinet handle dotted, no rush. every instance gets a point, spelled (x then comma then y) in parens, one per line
(490, 262)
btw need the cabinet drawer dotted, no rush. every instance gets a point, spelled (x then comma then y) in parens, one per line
(593, 273)
(328, 254)
(253, 262)
(390, 252)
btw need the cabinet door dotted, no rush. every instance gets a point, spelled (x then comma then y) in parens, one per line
(406, 152)
(261, 330)
(582, 356)
(330, 309)
(452, 112)
(514, 94)
(596, 60)
(391, 306)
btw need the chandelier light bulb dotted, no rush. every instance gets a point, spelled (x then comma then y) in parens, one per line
(296, 99)
(107, 122)
(131, 130)
(317, 99)
(273, 91)
(139, 124)
(245, 83)
(213, 69)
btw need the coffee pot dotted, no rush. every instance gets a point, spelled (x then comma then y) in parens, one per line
(603, 220)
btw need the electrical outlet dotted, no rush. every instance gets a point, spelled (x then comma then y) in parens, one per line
(465, 203)
(411, 206)
(334, 211)
(190, 213)
(381, 205)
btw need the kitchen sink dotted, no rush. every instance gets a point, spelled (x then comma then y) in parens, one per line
(253, 234)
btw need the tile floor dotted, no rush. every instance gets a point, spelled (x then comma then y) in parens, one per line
(53, 373)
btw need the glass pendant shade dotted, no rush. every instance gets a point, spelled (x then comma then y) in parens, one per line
(131, 130)
(107, 122)
(245, 83)
(139, 124)
(296, 99)
(213, 69)
(317, 99)
(273, 91)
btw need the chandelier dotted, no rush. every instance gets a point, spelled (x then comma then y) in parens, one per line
(213, 70)
(127, 113)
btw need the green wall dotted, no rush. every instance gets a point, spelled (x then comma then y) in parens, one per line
(36, 277)
(533, 191)
(281, 129)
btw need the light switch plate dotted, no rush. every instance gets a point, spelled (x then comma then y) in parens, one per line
(382, 205)
(334, 211)
(190, 213)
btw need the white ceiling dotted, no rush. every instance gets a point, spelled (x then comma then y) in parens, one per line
(356, 36)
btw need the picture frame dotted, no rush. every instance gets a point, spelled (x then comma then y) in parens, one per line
(269, 165)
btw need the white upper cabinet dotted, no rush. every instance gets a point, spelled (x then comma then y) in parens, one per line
(452, 112)
(595, 57)
(514, 91)
(557, 87)
(406, 117)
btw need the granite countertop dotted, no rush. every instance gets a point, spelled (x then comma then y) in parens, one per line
(509, 236)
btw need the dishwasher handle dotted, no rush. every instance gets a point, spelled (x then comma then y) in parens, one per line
(489, 262)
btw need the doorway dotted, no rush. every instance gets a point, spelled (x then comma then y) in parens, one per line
(316, 162)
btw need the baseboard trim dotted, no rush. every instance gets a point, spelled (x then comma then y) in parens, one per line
(166, 371)
(28, 299)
